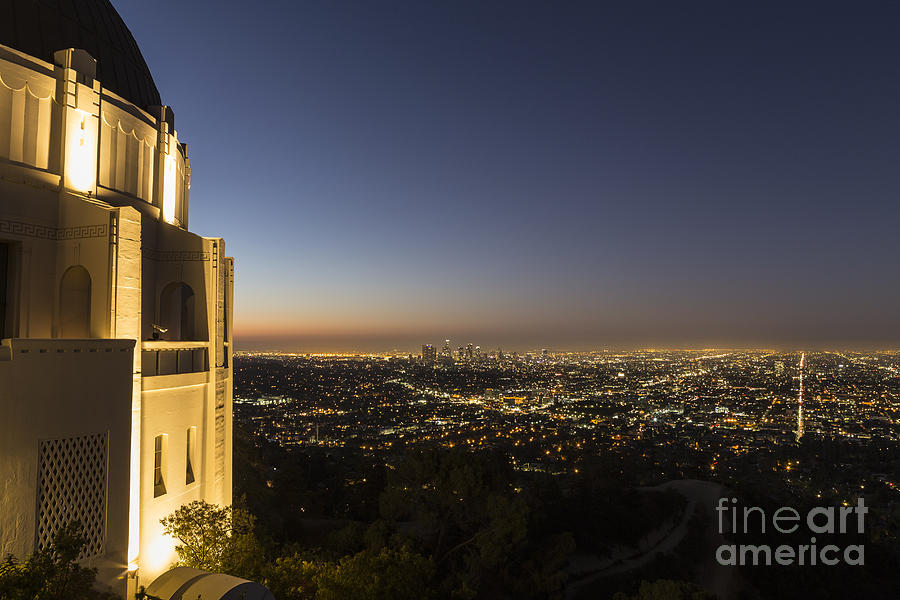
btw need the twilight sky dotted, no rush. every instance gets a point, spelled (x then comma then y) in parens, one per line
(526, 174)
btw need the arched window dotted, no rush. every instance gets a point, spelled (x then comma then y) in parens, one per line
(75, 303)
(176, 312)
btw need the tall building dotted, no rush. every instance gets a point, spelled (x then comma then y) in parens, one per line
(429, 354)
(115, 319)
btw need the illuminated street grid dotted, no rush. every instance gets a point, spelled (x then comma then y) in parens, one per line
(710, 414)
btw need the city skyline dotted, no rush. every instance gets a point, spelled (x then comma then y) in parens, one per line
(532, 175)
(353, 347)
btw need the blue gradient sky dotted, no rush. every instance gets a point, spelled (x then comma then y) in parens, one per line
(568, 175)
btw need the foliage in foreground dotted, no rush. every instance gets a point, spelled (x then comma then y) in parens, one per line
(216, 539)
(666, 589)
(367, 575)
(51, 573)
(450, 525)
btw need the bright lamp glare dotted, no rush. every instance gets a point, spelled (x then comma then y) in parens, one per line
(161, 554)
(169, 190)
(81, 162)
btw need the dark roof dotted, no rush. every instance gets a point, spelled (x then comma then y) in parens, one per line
(41, 27)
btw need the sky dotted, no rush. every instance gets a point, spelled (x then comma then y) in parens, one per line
(569, 175)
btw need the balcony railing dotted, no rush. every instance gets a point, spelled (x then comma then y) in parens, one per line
(13, 348)
(173, 358)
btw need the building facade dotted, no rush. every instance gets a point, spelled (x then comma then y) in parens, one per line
(115, 319)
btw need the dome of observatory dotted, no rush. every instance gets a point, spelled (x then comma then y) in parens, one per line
(41, 27)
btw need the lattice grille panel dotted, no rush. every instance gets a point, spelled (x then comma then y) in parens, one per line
(72, 486)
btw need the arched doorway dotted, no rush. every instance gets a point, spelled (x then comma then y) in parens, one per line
(75, 303)
(176, 312)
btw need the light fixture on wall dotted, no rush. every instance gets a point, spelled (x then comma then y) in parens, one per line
(171, 172)
(81, 155)
(158, 330)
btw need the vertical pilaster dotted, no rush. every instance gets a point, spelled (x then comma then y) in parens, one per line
(127, 324)
(165, 195)
(184, 209)
(228, 313)
(78, 93)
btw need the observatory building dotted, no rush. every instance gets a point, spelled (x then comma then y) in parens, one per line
(115, 319)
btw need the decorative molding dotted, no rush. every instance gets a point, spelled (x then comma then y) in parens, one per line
(133, 132)
(175, 255)
(45, 232)
(51, 95)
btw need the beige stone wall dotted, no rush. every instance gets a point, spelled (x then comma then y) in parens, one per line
(88, 180)
(172, 404)
(52, 389)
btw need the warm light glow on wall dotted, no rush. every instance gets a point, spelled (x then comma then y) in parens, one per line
(169, 189)
(134, 507)
(81, 154)
(161, 555)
